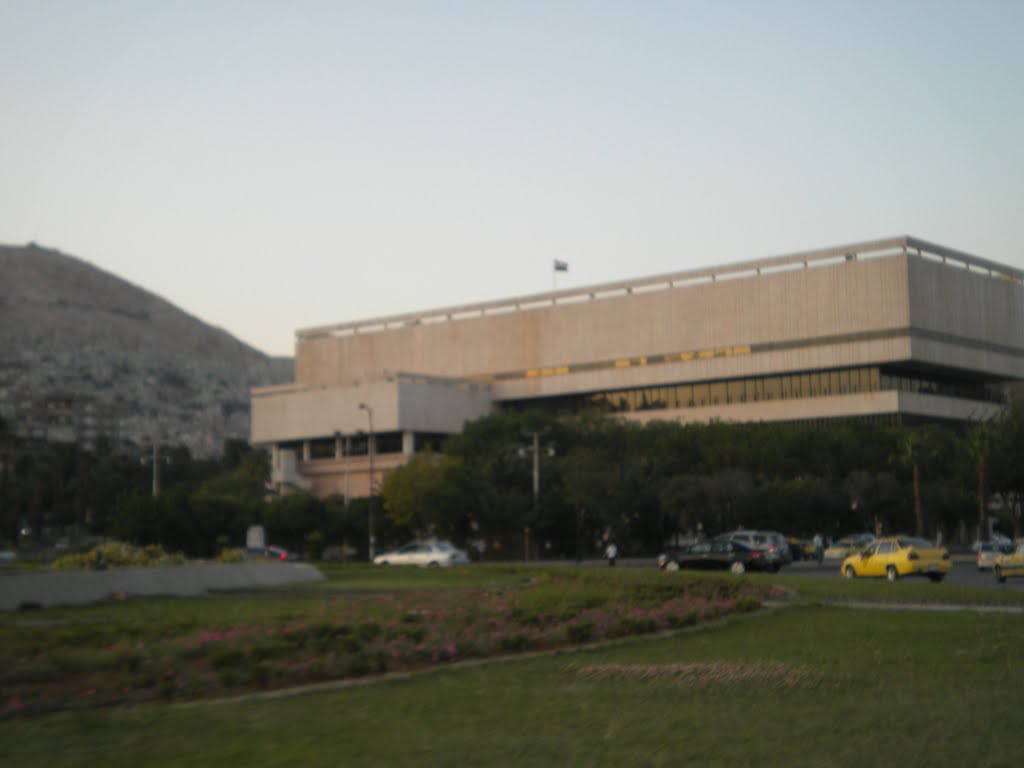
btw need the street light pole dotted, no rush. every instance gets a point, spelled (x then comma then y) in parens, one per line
(536, 493)
(156, 469)
(369, 449)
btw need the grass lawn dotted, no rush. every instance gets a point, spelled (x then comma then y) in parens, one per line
(805, 685)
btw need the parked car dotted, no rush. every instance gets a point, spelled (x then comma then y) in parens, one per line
(988, 551)
(717, 555)
(898, 556)
(772, 544)
(423, 554)
(848, 545)
(280, 553)
(995, 538)
(1009, 564)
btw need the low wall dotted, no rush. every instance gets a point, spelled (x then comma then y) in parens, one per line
(36, 589)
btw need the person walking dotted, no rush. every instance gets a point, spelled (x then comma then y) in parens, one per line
(819, 548)
(612, 553)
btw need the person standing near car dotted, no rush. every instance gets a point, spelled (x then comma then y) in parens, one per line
(612, 553)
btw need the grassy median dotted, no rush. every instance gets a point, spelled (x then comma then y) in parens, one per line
(801, 685)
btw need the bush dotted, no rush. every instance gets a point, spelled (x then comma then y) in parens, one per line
(231, 556)
(117, 554)
(314, 546)
(580, 633)
(680, 620)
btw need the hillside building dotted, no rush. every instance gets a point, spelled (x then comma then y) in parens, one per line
(897, 329)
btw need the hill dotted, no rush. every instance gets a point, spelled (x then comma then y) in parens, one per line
(84, 353)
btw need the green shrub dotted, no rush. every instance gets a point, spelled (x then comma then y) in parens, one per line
(680, 620)
(117, 554)
(580, 633)
(517, 642)
(224, 658)
(369, 631)
(747, 604)
(314, 546)
(235, 555)
(630, 625)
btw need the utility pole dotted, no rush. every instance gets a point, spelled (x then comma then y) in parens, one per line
(369, 450)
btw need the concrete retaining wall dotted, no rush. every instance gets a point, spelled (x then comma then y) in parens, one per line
(48, 589)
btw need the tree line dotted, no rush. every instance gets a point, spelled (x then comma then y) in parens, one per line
(643, 484)
(532, 483)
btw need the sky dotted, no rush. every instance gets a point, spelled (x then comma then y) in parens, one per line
(270, 166)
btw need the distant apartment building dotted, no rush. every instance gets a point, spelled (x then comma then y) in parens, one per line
(897, 329)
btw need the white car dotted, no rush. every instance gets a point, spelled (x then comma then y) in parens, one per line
(423, 554)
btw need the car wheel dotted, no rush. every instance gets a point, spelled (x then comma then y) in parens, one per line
(891, 574)
(672, 566)
(383, 562)
(1000, 577)
(433, 564)
(936, 577)
(738, 567)
(849, 572)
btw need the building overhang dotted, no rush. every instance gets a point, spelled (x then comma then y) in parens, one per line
(400, 403)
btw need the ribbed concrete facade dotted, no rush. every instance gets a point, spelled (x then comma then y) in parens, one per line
(897, 327)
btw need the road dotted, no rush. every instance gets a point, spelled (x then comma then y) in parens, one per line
(963, 574)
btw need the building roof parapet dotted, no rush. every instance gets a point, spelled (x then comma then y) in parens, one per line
(447, 381)
(389, 376)
(277, 389)
(873, 249)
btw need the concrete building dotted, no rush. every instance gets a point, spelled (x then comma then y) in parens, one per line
(895, 329)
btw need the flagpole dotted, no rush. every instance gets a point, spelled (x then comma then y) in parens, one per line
(556, 267)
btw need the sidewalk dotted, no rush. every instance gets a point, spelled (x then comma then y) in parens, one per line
(45, 589)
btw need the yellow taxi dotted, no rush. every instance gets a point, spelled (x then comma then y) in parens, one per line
(1011, 564)
(898, 556)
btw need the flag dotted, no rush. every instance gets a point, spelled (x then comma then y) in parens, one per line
(561, 266)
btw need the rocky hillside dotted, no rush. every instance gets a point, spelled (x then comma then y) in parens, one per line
(83, 352)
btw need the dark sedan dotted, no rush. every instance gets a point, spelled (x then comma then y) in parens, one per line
(717, 555)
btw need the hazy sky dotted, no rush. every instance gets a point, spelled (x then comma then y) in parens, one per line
(268, 166)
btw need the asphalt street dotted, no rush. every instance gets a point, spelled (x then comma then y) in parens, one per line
(964, 573)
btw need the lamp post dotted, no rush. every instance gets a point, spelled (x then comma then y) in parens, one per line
(369, 449)
(536, 488)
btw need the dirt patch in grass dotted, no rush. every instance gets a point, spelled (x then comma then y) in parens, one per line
(704, 673)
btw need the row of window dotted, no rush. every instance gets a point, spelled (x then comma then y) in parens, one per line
(359, 445)
(765, 388)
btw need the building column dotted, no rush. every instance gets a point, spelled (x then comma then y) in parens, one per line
(408, 443)
(307, 453)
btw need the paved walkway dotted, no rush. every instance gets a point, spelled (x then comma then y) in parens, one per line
(45, 589)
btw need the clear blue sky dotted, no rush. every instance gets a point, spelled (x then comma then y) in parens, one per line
(269, 166)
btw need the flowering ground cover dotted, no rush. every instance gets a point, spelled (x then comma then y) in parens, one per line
(135, 651)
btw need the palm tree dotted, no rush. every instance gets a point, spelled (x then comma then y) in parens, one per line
(914, 449)
(979, 440)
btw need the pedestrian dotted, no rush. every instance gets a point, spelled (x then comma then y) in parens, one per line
(611, 552)
(819, 548)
